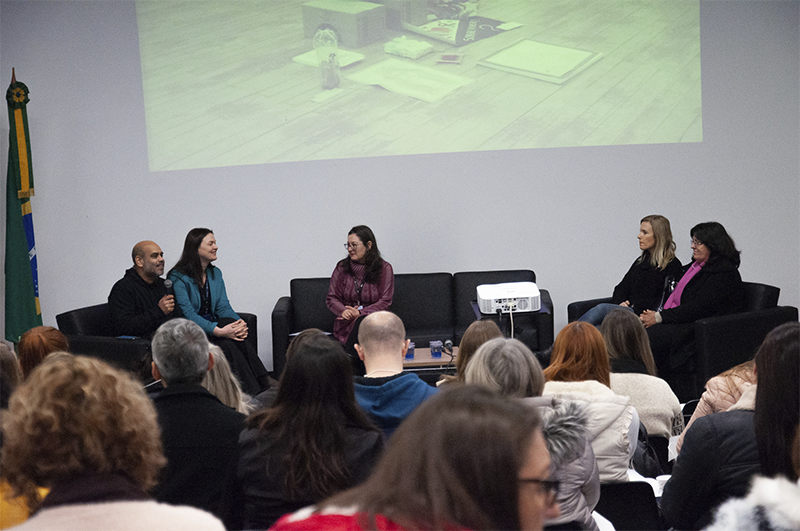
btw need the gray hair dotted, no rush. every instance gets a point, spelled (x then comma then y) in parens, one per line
(506, 366)
(180, 351)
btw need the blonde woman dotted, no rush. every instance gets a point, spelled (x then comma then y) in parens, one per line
(221, 383)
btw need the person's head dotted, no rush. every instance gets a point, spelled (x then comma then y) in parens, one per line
(148, 260)
(180, 352)
(221, 382)
(476, 335)
(36, 344)
(465, 458)
(711, 243)
(655, 240)
(9, 367)
(506, 366)
(361, 245)
(301, 338)
(77, 415)
(579, 354)
(778, 399)
(626, 339)
(314, 404)
(199, 250)
(381, 334)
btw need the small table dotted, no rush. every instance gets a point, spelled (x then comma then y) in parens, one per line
(423, 359)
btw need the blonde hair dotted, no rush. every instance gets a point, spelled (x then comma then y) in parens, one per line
(221, 383)
(664, 251)
(76, 415)
(507, 367)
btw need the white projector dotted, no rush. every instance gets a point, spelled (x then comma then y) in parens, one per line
(509, 297)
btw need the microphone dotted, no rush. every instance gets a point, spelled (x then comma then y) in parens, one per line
(448, 346)
(168, 285)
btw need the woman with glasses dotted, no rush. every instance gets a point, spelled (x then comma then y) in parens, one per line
(711, 285)
(362, 283)
(643, 285)
(465, 459)
(508, 367)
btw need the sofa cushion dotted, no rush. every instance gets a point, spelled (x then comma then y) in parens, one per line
(424, 301)
(310, 310)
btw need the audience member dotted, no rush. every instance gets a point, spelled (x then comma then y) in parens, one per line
(508, 367)
(386, 393)
(9, 365)
(201, 295)
(723, 451)
(362, 283)
(312, 443)
(476, 335)
(140, 302)
(199, 433)
(643, 285)
(35, 344)
(722, 392)
(220, 382)
(451, 465)
(89, 433)
(633, 374)
(579, 372)
(711, 285)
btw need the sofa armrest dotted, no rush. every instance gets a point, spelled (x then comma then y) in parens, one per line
(132, 355)
(252, 328)
(578, 308)
(728, 340)
(282, 326)
(545, 326)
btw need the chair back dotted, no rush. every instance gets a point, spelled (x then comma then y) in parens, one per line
(424, 302)
(310, 311)
(630, 506)
(89, 321)
(760, 296)
(466, 283)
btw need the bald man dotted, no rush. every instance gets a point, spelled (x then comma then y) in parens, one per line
(139, 301)
(386, 393)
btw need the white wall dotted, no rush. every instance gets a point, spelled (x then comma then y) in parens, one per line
(571, 215)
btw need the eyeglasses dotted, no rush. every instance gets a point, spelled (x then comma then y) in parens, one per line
(349, 246)
(696, 242)
(548, 487)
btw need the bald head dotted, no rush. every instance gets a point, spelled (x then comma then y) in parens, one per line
(148, 260)
(382, 332)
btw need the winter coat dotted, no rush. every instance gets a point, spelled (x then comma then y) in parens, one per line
(771, 505)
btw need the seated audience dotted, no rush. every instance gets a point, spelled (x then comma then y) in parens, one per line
(723, 451)
(221, 382)
(633, 374)
(710, 285)
(140, 302)
(35, 344)
(642, 287)
(451, 465)
(386, 393)
(89, 433)
(312, 443)
(509, 368)
(199, 433)
(579, 372)
(9, 365)
(476, 335)
(722, 392)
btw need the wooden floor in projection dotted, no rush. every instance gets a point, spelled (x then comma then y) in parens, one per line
(221, 87)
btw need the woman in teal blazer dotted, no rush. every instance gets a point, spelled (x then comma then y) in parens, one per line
(200, 292)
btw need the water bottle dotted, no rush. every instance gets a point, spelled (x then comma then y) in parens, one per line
(327, 47)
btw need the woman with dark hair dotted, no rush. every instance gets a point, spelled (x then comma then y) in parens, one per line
(200, 293)
(88, 433)
(362, 283)
(313, 442)
(579, 372)
(633, 374)
(465, 459)
(722, 452)
(476, 335)
(35, 344)
(711, 285)
(643, 285)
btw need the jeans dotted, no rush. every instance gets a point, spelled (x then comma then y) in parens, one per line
(596, 315)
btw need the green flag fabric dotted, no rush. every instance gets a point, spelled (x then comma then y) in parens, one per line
(23, 311)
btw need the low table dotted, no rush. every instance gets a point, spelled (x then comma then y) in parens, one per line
(423, 359)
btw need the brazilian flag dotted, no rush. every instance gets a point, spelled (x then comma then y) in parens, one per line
(23, 311)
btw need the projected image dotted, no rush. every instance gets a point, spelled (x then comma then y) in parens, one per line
(255, 81)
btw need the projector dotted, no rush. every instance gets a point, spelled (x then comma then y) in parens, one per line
(509, 297)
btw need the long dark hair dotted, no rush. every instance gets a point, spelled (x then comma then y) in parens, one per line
(626, 339)
(452, 463)
(714, 236)
(373, 263)
(778, 399)
(189, 263)
(314, 404)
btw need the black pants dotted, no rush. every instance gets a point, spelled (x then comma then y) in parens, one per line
(244, 361)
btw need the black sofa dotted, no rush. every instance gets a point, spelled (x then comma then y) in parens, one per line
(433, 306)
(90, 332)
(720, 342)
